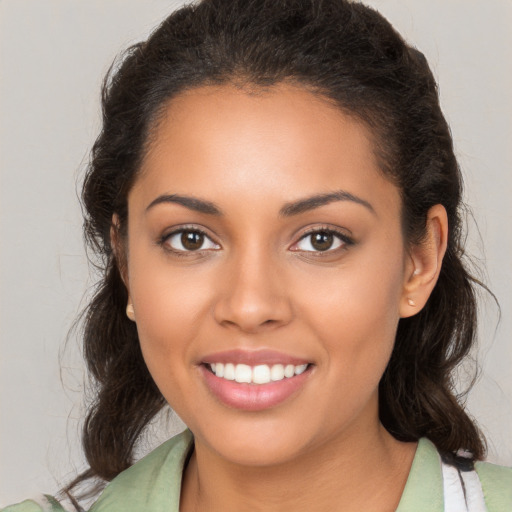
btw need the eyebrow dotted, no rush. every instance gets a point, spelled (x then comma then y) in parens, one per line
(310, 203)
(288, 210)
(192, 203)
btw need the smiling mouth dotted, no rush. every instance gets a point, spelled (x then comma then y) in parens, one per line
(258, 374)
(254, 385)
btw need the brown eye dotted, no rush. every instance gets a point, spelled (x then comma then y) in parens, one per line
(189, 240)
(321, 241)
(192, 240)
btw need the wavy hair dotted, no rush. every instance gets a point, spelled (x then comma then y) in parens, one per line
(351, 55)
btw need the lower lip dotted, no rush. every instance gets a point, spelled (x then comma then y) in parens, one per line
(253, 397)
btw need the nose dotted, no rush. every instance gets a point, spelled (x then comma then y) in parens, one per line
(253, 296)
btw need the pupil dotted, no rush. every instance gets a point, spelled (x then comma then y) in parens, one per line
(192, 240)
(322, 241)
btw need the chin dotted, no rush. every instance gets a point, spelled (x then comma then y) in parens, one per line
(258, 441)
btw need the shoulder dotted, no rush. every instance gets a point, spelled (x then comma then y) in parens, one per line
(41, 503)
(153, 483)
(430, 487)
(496, 485)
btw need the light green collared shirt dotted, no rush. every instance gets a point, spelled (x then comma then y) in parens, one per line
(153, 484)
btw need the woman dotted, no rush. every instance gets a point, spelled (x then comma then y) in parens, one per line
(275, 197)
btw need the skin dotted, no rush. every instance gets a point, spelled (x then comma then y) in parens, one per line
(257, 283)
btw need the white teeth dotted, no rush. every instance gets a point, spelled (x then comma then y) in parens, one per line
(289, 370)
(229, 371)
(260, 374)
(243, 373)
(277, 372)
(300, 369)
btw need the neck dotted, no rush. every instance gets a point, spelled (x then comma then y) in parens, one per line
(334, 476)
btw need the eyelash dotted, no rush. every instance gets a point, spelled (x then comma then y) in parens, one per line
(345, 241)
(163, 241)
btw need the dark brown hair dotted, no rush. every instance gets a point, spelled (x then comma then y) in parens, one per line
(351, 55)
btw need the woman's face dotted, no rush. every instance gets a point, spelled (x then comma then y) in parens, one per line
(263, 238)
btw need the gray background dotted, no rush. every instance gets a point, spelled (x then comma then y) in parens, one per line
(53, 55)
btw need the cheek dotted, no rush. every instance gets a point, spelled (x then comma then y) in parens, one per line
(169, 308)
(356, 315)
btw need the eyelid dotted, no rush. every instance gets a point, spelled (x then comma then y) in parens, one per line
(346, 240)
(162, 240)
(341, 234)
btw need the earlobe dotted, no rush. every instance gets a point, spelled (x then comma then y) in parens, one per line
(130, 312)
(425, 261)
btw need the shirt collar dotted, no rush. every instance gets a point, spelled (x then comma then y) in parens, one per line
(154, 483)
(424, 487)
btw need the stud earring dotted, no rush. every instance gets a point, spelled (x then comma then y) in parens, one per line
(130, 312)
(411, 302)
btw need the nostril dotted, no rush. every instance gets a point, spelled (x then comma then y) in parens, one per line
(251, 306)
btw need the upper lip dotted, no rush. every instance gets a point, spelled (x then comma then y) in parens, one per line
(253, 357)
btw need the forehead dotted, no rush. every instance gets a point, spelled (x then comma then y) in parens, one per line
(227, 142)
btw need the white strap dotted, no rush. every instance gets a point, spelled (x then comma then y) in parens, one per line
(462, 490)
(474, 492)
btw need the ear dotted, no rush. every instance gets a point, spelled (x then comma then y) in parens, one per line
(118, 248)
(424, 263)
